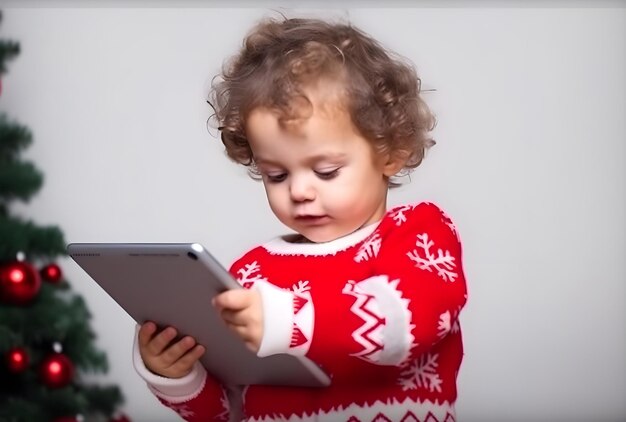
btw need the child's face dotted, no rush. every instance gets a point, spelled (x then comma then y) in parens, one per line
(322, 178)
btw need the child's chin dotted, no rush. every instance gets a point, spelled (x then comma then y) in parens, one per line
(322, 235)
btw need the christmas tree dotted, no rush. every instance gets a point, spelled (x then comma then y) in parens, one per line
(46, 343)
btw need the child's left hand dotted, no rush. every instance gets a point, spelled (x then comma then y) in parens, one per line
(242, 311)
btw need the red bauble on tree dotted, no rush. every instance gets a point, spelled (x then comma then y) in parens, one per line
(51, 273)
(120, 417)
(56, 371)
(19, 283)
(17, 360)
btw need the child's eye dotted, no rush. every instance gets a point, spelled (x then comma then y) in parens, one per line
(276, 178)
(327, 175)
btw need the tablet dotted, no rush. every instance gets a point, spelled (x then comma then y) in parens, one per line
(172, 284)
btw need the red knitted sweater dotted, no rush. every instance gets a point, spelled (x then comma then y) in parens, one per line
(377, 310)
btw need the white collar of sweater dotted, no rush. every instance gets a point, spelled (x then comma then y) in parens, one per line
(282, 246)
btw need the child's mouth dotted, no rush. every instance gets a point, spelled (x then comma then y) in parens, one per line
(312, 219)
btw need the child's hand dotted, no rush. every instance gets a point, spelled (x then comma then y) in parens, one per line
(161, 356)
(242, 311)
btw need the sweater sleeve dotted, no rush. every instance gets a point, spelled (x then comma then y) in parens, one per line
(277, 304)
(195, 397)
(411, 301)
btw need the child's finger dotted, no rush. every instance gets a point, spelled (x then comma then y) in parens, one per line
(241, 330)
(233, 299)
(253, 347)
(146, 331)
(248, 333)
(234, 317)
(173, 353)
(160, 342)
(185, 363)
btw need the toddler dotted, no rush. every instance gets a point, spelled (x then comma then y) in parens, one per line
(326, 117)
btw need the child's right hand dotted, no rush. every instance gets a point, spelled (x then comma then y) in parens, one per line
(164, 358)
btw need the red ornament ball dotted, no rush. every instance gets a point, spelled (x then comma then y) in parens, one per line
(19, 283)
(17, 360)
(56, 371)
(120, 418)
(51, 273)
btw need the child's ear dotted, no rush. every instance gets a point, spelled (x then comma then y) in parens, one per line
(394, 163)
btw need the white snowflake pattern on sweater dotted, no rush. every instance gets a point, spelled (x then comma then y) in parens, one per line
(421, 373)
(369, 249)
(399, 215)
(246, 277)
(444, 326)
(442, 262)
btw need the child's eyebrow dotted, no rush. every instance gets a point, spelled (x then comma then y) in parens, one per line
(264, 161)
(333, 158)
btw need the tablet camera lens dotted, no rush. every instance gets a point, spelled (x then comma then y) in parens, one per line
(192, 256)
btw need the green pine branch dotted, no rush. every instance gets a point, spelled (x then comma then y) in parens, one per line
(55, 314)
(104, 399)
(14, 137)
(52, 317)
(8, 50)
(42, 404)
(38, 243)
(20, 409)
(19, 180)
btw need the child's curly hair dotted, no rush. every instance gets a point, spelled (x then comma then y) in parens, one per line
(279, 58)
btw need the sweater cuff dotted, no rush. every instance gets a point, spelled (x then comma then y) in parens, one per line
(175, 390)
(277, 319)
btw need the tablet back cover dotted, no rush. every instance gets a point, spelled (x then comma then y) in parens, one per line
(172, 284)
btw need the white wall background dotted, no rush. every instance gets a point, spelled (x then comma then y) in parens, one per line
(530, 163)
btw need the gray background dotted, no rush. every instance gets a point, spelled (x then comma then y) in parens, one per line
(529, 163)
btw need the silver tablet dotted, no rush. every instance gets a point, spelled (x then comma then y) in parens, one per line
(172, 284)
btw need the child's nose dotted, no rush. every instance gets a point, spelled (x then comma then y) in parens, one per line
(301, 190)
